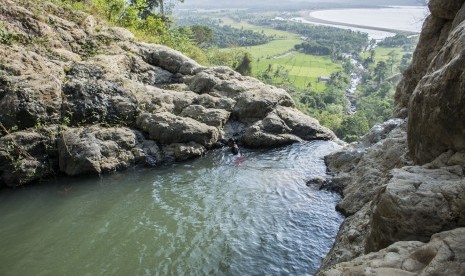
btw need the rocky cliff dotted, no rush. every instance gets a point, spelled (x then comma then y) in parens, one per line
(404, 185)
(79, 97)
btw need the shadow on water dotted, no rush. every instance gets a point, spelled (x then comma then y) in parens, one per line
(214, 215)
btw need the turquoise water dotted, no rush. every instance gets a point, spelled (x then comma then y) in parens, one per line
(214, 215)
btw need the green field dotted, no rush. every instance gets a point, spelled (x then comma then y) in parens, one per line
(303, 69)
(382, 53)
(273, 48)
(267, 31)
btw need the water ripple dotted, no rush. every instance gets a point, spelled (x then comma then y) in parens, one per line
(209, 216)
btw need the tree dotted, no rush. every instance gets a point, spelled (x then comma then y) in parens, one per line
(245, 67)
(393, 56)
(380, 71)
(152, 5)
(352, 127)
(202, 35)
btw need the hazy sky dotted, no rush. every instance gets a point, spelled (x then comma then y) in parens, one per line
(239, 3)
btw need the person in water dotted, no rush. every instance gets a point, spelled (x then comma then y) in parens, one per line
(233, 146)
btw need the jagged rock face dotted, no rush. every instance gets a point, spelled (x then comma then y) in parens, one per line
(437, 106)
(401, 202)
(431, 92)
(113, 102)
(369, 167)
(408, 203)
(396, 205)
(418, 202)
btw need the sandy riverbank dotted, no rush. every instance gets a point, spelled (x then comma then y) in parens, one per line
(307, 15)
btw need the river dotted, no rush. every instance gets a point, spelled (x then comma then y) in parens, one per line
(378, 23)
(213, 215)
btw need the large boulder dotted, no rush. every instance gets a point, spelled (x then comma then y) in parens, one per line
(95, 150)
(369, 167)
(26, 156)
(418, 202)
(208, 116)
(168, 128)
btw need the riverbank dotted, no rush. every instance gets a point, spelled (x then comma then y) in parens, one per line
(307, 15)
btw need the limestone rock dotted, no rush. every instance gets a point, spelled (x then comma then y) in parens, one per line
(257, 137)
(418, 202)
(30, 89)
(167, 128)
(208, 116)
(27, 156)
(434, 33)
(437, 105)
(107, 91)
(256, 104)
(168, 59)
(303, 126)
(446, 9)
(95, 150)
(444, 254)
(203, 83)
(372, 170)
(183, 151)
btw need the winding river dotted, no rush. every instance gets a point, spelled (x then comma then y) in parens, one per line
(214, 215)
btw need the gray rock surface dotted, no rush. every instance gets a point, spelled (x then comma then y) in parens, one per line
(95, 150)
(115, 102)
(404, 183)
(444, 254)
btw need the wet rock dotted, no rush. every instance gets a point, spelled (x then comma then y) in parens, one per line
(26, 156)
(183, 151)
(326, 184)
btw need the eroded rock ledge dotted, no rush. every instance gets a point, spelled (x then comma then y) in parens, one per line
(404, 182)
(79, 97)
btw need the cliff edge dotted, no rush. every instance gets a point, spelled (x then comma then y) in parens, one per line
(404, 185)
(80, 97)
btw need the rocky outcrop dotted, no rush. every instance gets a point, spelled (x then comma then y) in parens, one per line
(79, 97)
(444, 254)
(404, 183)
